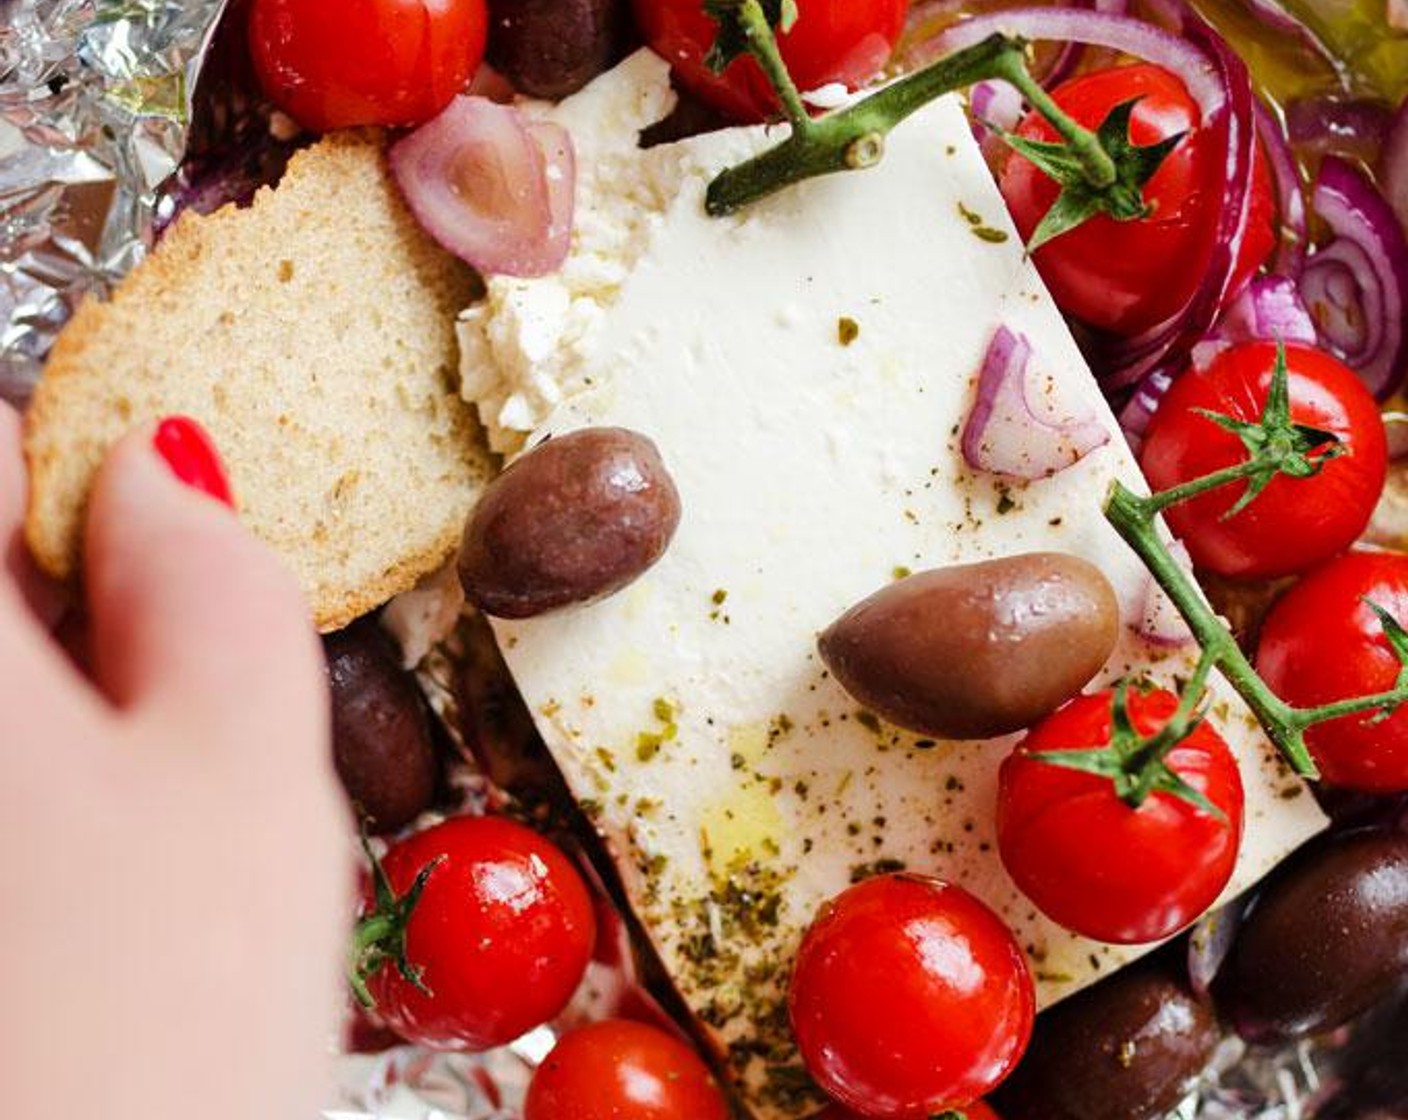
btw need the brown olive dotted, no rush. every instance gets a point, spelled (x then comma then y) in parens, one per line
(1129, 1048)
(576, 518)
(382, 745)
(1324, 941)
(550, 48)
(976, 650)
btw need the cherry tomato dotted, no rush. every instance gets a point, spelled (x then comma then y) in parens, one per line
(909, 997)
(1091, 862)
(339, 63)
(502, 934)
(844, 41)
(620, 1070)
(1294, 523)
(1124, 277)
(1321, 643)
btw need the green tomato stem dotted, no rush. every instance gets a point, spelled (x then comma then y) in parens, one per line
(1165, 498)
(371, 931)
(762, 45)
(1135, 520)
(854, 137)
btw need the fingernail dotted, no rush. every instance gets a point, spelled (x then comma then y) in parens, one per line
(189, 452)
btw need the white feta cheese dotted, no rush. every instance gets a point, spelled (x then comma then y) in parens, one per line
(736, 784)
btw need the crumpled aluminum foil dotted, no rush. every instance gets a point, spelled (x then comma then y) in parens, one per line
(95, 105)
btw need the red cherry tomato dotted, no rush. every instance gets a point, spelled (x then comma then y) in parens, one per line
(620, 1070)
(502, 933)
(1294, 523)
(1322, 643)
(1124, 277)
(832, 41)
(1089, 861)
(909, 997)
(339, 63)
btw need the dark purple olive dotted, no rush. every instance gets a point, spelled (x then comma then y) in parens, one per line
(573, 520)
(1324, 941)
(976, 650)
(382, 745)
(1129, 1048)
(550, 48)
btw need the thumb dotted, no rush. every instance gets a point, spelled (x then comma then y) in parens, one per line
(188, 610)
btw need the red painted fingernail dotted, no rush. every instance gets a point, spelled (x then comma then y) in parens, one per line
(189, 452)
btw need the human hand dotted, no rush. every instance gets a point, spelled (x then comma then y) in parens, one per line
(174, 859)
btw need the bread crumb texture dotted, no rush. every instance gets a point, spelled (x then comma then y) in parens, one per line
(313, 334)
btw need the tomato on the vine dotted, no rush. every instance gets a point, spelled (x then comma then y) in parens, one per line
(1294, 523)
(1089, 860)
(1323, 642)
(909, 997)
(845, 41)
(622, 1070)
(340, 63)
(494, 945)
(1126, 276)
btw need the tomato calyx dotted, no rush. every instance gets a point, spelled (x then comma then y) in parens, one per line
(1136, 764)
(380, 937)
(1116, 191)
(738, 34)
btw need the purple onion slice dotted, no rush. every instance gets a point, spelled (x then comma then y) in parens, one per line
(1356, 287)
(1008, 433)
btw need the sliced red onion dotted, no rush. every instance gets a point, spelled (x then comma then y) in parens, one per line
(1142, 404)
(1336, 126)
(1065, 63)
(491, 185)
(1209, 943)
(1273, 14)
(1269, 309)
(1005, 434)
(1356, 287)
(1393, 165)
(1159, 623)
(993, 103)
(1128, 361)
(1290, 194)
(1101, 29)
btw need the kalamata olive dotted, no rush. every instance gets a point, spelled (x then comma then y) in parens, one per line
(550, 48)
(382, 745)
(576, 518)
(1327, 938)
(976, 650)
(1129, 1048)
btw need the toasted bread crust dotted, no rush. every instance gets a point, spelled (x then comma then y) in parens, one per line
(313, 335)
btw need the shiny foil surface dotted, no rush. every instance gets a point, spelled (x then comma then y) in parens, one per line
(95, 109)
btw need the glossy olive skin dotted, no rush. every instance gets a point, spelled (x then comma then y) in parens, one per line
(1326, 939)
(382, 745)
(572, 520)
(550, 48)
(976, 650)
(1127, 1049)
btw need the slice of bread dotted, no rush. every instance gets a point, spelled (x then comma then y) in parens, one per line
(313, 334)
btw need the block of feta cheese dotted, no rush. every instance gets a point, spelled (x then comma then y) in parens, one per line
(805, 368)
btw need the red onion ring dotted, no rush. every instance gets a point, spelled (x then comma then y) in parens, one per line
(1270, 309)
(1005, 435)
(1335, 126)
(1293, 235)
(1357, 286)
(1142, 404)
(490, 185)
(1210, 942)
(1393, 166)
(1065, 63)
(1273, 14)
(1101, 29)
